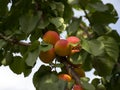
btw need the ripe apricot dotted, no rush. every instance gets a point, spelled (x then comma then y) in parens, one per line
(65, 77)
(74, 43)
(51, 37)
(62, 47)
(47, 56)
(77, 87)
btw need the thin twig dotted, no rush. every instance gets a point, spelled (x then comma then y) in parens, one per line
(85, 30)
(14, 41)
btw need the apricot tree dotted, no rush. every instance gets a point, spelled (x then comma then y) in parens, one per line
(97, 47)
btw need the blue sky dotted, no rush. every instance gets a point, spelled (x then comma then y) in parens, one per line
(11, 81)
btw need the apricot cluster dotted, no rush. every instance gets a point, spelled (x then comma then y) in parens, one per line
(61, 47)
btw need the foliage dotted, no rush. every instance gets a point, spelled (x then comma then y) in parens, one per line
(30, 19)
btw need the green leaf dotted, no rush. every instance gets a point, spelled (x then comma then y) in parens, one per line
(98, 6)
(87, 86)
(68, 15)
(58, 22)
(103, 18)
(8, 59)
(73, 27)
(2, 43)
(29, 22)
(83, 3)
(1, 56)
(45, 46)
(17, 65)
(94, 47)
(72, 2)
(106, 17)
(3, 8)
(33, 53)
(95, 82)
(111, 46)
(44, 22)
(101, 87)
(58, 8)
(103, 65)
(51, 81)
(43, 70)
(79, 57)
(114, 34)
(87, 62)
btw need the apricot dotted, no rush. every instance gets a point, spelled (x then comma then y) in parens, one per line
(77, 87)
(47, 56)
(74, 43)
(65, 77)
(51, 37)
(62, 47)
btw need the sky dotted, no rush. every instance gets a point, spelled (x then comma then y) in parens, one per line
(11, 81)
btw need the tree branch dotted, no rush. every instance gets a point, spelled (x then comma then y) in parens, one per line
(70, 69)
(14, 41)
(85, 30)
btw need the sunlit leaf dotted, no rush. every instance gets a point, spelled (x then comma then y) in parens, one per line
(94, 47)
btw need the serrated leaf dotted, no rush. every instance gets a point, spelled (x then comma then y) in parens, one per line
(29, 21)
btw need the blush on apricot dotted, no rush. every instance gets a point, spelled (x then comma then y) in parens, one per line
(51, 37)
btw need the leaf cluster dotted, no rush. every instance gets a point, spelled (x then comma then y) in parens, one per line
(24, 22)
